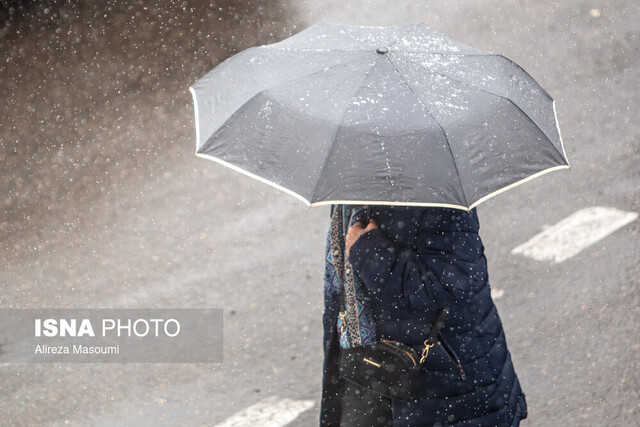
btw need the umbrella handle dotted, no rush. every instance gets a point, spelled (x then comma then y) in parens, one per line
(367, 216)
(364, 220)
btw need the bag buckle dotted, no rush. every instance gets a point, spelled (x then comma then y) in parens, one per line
(343, 322)
(425, 350)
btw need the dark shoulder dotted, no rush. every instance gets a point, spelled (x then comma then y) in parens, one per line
(449, 219)
(440, 219)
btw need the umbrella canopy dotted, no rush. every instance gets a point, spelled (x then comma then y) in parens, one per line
(396, 115)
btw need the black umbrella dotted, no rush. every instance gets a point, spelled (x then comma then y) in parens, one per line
(377, 115)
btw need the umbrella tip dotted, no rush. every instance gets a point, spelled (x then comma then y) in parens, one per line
(382, 50)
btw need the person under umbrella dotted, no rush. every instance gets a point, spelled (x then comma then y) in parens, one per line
(414, 261)
(423, 128)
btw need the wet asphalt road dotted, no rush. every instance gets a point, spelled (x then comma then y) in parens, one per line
(104, 205)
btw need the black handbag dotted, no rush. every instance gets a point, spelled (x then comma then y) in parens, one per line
(389, 368)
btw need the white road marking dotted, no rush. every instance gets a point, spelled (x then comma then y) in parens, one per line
(270, 412)
(574, 233)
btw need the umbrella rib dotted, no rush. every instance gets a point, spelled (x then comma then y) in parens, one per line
(439, 125)
(369, 49)
(478, 89)
(495, 55)
(335, 132)
(449, 53)
(325, 69)
(529, 75)
(312, 50)
(204, 146)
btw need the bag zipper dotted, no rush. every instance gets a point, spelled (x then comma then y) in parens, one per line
(413, 355)
(404, 349)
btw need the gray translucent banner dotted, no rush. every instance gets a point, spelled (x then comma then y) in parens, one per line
(110, 335)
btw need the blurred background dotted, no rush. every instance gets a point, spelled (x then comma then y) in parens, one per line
(103, 204)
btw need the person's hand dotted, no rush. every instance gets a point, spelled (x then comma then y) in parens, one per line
(357, 230)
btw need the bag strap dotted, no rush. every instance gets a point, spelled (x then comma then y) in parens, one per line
(348, 301)
(346, 220)
(433, 334)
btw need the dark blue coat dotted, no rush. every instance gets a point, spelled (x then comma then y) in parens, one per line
(420, 260)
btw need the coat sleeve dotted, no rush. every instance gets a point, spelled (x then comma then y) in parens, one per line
(396, 274)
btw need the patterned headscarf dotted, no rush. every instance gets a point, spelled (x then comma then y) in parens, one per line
(356, 325)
